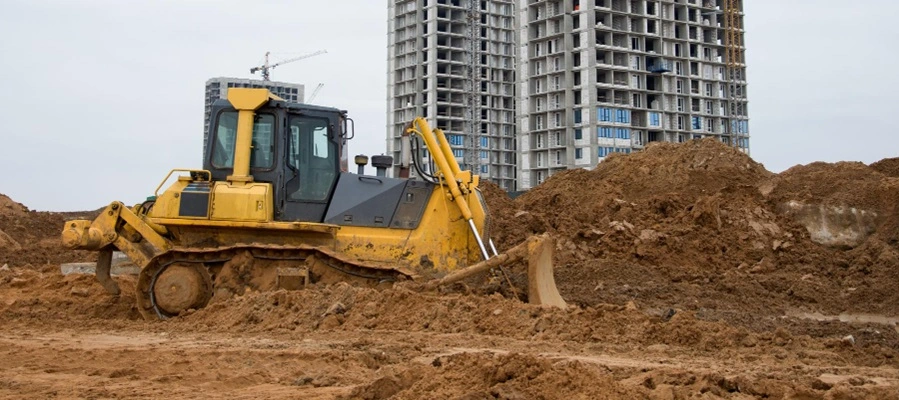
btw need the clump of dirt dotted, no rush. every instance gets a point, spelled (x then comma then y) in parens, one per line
(887, 166)
(32, 237)
(35, 290)
(8, 244)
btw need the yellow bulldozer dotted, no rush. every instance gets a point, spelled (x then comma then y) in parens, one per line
(276, 207)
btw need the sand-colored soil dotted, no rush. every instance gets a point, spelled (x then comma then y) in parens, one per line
(692, 273)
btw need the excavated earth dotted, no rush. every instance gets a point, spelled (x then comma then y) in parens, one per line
(691, 271)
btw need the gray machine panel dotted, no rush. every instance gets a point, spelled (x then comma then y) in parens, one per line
(361, 200)
(412, 205)
(376, 201)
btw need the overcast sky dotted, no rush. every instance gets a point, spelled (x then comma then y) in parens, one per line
(99, 99)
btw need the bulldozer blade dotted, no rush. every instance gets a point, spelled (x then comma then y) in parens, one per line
(541, 282)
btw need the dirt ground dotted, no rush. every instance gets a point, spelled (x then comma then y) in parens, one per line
(692, 273)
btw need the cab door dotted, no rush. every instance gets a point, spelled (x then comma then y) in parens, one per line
(312, 166)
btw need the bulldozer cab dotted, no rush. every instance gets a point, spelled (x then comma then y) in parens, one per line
(297, 148)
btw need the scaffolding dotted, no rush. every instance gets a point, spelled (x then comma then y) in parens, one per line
(735, 67)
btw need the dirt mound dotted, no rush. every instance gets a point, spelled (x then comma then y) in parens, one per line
(342, 307)
(32, 237)
(42, 295)
(690, 269)
(499, 207)
(694, 168)
(500, 375)
(852, 207)
(670, 175)
(8, 244)
(700, 226)
(854, 195)
(9, 207)
(403, 344)
(887, 166)
(479, 375)
(848, 184)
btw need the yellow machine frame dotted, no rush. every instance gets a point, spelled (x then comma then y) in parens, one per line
(448, 237)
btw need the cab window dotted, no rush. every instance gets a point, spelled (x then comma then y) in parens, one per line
(313, 156)
(262, 152)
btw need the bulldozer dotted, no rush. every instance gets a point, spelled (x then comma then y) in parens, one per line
(275, 207)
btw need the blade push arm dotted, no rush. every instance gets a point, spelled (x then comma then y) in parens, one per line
(457, 180)
(116, 226)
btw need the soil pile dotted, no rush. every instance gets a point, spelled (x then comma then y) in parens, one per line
(32, 237)
(340, 341)
(669, 177)
(342, 307)
(853, 207)
(688, 267)
(8, 207)
(499, 206)
(487, 375)
(41, 295)
(864, 196)
(842, 184)
(700, 226)
(887, 166)
(508, 376)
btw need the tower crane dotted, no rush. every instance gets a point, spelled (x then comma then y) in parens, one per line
(314, 93)
(267, 67)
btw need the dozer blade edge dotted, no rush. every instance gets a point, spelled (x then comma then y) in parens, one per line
(538, 250)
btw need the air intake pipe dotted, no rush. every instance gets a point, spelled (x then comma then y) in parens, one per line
(381, 163)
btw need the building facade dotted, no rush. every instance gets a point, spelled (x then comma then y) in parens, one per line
(453, 62)
(217, 88)
(598, 77)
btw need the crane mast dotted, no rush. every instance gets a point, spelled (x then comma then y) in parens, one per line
(472, 158)
(735, 67)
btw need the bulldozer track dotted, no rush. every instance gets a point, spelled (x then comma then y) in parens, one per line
(207, 259)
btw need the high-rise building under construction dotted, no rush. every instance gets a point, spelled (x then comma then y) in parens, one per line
(598, 77)
(453, 62)
(528, 88)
